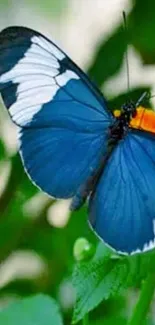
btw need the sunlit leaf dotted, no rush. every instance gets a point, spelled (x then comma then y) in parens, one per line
(51, 7)
(2, 150)
(97, 280)
(5, 4)
(36, 310)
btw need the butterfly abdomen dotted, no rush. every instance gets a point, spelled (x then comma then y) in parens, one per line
(144, 120)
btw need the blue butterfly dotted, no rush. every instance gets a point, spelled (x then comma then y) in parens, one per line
(72, 146)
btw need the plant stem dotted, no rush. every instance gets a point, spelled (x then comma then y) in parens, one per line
(143, 304)
(85, 320)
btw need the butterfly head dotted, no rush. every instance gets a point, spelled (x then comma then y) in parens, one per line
(128, 110)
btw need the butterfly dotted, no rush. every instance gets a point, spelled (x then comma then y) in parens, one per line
(73, 146)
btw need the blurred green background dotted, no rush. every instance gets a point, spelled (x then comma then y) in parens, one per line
(37, 234)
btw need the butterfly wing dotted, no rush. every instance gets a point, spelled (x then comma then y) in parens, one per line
(62, 117)
(122, 210)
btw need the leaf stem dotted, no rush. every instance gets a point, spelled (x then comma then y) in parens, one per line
(86, 320)
(142, 307)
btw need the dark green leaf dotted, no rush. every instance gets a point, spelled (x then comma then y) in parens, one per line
(142, 26)
(109, 57)
(135, 94)
(15, 178)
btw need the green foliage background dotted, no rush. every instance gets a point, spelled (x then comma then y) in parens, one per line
(106, 285)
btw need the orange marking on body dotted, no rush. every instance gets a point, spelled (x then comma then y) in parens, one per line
(144, 120)
(117, 112)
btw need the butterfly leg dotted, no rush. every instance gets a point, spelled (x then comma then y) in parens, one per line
(84, 191)
(79, 199)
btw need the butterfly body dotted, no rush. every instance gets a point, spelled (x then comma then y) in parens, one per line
(72, 146)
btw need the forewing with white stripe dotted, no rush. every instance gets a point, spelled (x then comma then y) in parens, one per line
(62, 116)
(33, 72)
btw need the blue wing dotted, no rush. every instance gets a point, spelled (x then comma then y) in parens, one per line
(62, 117)
(122, 210)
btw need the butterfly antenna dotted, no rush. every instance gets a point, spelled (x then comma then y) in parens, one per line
(145, 94)
(126, 53)
(150, 96)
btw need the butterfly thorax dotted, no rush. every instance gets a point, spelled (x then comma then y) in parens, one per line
(122, 122)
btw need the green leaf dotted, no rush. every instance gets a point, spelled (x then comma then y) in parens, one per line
(142, 26)
(5, 4)
(105, 275)
(15, 178)
(2, 150)
(102, 251)
(51, 7)
(97, 280)
(36, 310)
(108, 60)
(139, 267)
